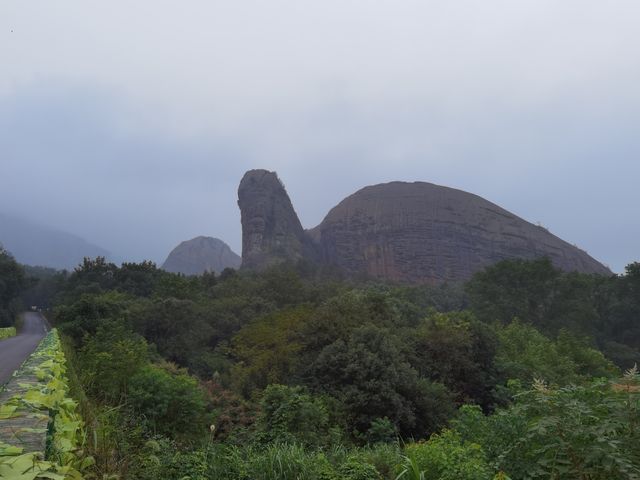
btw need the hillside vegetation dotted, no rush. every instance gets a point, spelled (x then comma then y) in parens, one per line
(12, 284)
(523, 372)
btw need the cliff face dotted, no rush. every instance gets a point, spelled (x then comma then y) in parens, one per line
(199, 255)
(271, 231)
(410, 232)
(420, 232)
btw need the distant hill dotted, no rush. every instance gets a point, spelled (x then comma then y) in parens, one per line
(34, 244)
(200, 254)
(410, 232)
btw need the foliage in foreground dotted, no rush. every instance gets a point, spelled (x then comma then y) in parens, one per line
(310, 377)
(564, 433)
(47, 399)
(7, 332)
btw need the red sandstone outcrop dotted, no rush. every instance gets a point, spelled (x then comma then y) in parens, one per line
(420, 232)
(410, 232)
(271, 230)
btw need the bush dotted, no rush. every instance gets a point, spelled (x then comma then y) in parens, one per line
(7, 332)
(161, 459)
(525, 353)
(385, 457)
(275, 462)
(447, 457)
(168, 404)
(357, 468)
(369, 375)
(109, 359)
(572, 432)
(290, 414)
(382, 430)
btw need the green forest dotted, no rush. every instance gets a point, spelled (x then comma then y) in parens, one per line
(295, 372)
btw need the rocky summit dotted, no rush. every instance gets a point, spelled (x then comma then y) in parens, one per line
(199, 255)
(409, 232)
(271, 230)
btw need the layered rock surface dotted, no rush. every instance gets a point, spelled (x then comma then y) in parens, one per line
(271, 230)
(421, 232)
(199, 255)
(409, 232)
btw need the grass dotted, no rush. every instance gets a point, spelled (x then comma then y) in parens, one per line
(7, 332)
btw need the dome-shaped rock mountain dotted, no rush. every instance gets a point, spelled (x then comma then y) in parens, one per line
(420, 232)
(199, 255)
(409, 232)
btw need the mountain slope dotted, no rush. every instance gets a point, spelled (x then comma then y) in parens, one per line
(420, 231)
(34, 244)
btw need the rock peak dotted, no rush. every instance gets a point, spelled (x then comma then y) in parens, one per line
(414, 232)
(199, 255)
(271, 230)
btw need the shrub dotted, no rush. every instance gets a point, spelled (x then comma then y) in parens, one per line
(7, 332)
(382, 430)
(447, 457)
(290, 414)
(109, 359)
(168, 404)
(274, 462)
(357, 468)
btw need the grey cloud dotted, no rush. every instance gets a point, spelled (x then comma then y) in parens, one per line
(131, 125)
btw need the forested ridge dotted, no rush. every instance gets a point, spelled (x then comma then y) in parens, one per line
(298, 373)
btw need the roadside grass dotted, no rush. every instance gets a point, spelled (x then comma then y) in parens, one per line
(7, 332)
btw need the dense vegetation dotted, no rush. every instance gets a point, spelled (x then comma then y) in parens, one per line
(12, 284)
(295, 373)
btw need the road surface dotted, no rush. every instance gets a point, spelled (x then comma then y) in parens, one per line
(15, 350)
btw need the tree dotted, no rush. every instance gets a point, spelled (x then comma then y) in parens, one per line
(82, 318)
(168, 403)
(372, 379)
(12, 283)
(458, 351)
(337, 317)
(624, 310)
(138, 279)
(179, 328)
(525, 354)
(109, 359)
(267, 350)
(291, 414)
(514, 289)
(97, 272)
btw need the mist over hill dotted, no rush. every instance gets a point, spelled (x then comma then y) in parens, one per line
(35, 244)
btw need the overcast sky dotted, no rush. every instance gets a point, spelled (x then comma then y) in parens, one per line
(131, 123)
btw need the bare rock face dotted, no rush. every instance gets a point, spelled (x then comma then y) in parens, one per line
(271, 231)
(408, 232)
(420, 232)
(199, 255)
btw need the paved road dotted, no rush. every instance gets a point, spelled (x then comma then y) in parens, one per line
(14, 350)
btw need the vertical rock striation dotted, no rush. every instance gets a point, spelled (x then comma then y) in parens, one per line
(421, 232)
(408, 232)
(271, 230)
